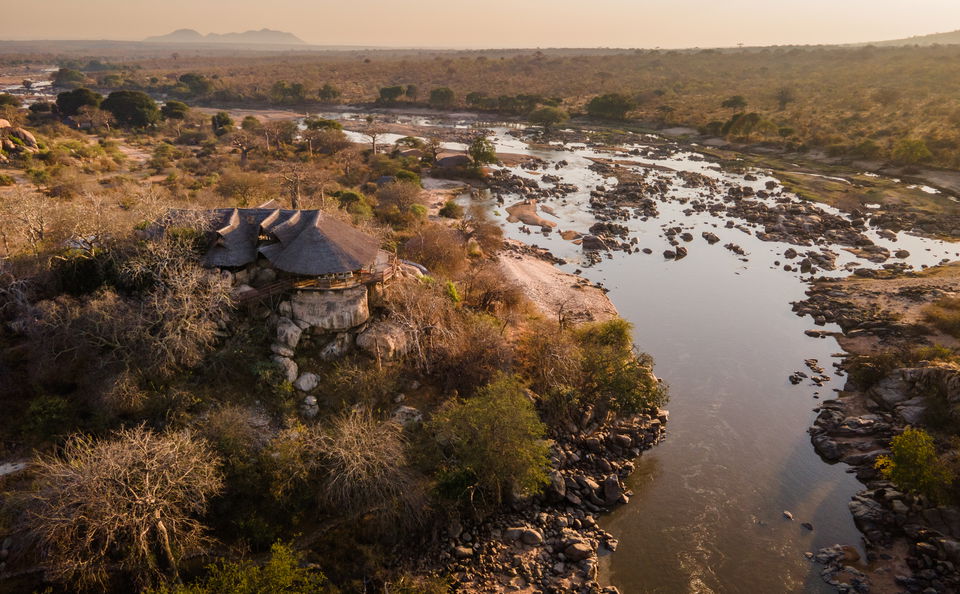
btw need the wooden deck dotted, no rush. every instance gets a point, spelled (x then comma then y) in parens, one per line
(382, 275)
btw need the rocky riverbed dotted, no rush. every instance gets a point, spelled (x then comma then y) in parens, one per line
(913, 543)
(551, 542)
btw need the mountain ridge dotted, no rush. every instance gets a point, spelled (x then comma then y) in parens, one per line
(263, 36)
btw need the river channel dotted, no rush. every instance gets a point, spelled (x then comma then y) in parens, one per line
(706, 513)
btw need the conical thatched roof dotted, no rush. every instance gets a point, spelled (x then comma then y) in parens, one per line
(301, 242)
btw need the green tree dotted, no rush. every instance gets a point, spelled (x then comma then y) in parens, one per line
(548, 117)
(67, 77)
(283, 572)
(480, 431)
(911, 151)
(913, 464)
(736, 103)
(482, 151)
(197, 84)
(221, 122)
(132, 108)
(391, 94)
(613, 106)
(785, 96)
(613, 375)
(328, 92)
(412, 92)
(442, 98)
(175, 110)
(6, 99)
(70, 102)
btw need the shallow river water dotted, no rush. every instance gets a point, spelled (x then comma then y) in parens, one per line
(707, 508)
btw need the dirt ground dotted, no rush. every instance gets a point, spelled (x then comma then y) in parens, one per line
(553, 291)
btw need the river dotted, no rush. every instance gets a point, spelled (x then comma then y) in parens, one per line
(706, 513)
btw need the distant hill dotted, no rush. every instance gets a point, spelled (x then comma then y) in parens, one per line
(950, 38)
(261, 37)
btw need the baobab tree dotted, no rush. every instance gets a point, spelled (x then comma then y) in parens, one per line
(374, 130)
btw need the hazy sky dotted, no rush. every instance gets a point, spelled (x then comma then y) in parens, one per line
(492, 23)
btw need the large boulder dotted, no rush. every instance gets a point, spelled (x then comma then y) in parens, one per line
(891, 390)
(288, 333)
(24, 136)
(288, 367)
(333, 311)
(306, 382)
(385, 338)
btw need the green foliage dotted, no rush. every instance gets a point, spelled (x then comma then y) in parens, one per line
(615, 376)
(175, 110)
(452, 292)
(451, 210)
(67, 77)
(282, 573)
(479, 431)
(286, 93)
(315, 123)
(913, 465)
(328, 92)
(70, 102)
(737, 102)
(548, 117)
(47, 418)
(442, 98)
(911, 151)
(195, 84)
(132, 108)
(6, 180)
(8, 100)
(221, 122)
(944, 314)
(391, 94)
(612, 106)
(482, 151)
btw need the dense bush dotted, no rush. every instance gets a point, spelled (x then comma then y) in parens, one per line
(283, 572)
(913, 464)
(478, 431)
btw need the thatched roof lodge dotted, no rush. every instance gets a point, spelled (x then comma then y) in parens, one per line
(306, 249)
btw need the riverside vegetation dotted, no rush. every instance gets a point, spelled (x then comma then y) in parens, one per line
(869, 103)
(154, 445)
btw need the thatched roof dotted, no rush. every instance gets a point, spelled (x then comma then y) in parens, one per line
(302, 242)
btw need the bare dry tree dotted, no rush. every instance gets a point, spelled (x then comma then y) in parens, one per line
(32, 212)
(295, 177)
(129, 503)
(245, 142)
(424, 313)
(374, 130)
(366, 468)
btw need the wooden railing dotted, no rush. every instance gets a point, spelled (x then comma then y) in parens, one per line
(318, 284)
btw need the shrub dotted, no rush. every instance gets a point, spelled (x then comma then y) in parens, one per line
(365, 468)
(48, 417)
(612, 106)
(451, 210)
(439, 248)
(614, 375)
(944, 314)
(479, 432)
(913, 465)
(283, 572)
(130, 502)
(6, 180)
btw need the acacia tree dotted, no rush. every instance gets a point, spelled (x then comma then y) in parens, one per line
(548, 117)
(482, 151)
(132, 501)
